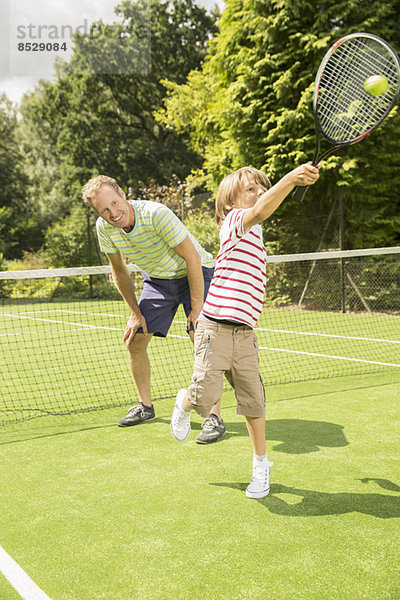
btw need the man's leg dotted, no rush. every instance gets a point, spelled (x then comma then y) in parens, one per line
(140, 367)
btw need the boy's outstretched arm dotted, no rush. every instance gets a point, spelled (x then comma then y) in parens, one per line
(269, 202)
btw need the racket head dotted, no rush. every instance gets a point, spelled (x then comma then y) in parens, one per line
(344, 112)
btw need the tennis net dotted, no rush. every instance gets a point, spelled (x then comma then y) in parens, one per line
(326, 314)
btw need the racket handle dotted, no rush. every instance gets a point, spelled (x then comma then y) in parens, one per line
(299, 192)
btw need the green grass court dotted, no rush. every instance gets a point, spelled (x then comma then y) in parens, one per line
(91, 511)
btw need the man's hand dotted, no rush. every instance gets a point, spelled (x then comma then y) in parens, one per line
(192, 318)
(134, 323)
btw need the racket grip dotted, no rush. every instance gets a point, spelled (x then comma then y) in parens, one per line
(299, 192)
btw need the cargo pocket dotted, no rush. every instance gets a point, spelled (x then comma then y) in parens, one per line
(262, 390)
(202, 347)
(196, 391)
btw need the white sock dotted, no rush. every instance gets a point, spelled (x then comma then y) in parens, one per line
(259, 464)
(259, 460)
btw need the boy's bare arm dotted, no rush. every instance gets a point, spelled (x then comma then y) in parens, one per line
(269, 202)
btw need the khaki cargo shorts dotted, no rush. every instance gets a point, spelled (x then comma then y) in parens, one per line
(231, 351)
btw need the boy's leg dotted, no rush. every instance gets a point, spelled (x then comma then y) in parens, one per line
(212, 349)
(250, 395)
(260, 483)
(256, 429)
(180, 420)
(213, 427)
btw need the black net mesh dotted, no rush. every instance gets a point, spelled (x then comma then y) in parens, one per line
(61, 347)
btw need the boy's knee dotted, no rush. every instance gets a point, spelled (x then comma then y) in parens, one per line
(205, 391)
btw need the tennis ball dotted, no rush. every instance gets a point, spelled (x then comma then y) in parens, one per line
(376, 85)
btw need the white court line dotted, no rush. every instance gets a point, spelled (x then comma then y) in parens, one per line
(20, 581)
(84, 325)
(330, 335)
(39, 332)
(310, 333)
(370, 362)
(73, 312)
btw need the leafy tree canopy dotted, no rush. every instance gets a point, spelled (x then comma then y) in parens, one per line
(97, 117)
(250, 103)
(18, 225)
(102, 122)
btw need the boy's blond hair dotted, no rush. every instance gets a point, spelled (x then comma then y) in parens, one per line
(94, 185)
(231, 186)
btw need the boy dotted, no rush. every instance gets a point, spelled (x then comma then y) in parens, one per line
(224, 339)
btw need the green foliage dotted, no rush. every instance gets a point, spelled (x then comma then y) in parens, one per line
(180, 198)
(178, 195)
(102, 122)
(18, 224)
(91, 120)
(201, 224)
(69, 243)
(251, 104)
(41, 162)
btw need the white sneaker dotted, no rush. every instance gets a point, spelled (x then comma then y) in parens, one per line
(180, 421)
(260, 483)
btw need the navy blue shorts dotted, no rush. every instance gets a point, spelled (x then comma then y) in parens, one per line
(161, 298)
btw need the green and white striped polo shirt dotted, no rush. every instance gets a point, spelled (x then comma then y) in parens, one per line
(150, 244)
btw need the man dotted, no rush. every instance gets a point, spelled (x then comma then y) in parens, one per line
(176, 270)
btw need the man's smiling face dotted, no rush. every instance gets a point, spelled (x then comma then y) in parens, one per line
(114, 208)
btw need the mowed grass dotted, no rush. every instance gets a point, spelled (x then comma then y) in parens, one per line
(92, 511)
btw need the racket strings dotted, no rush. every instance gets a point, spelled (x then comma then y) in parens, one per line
(345, 110)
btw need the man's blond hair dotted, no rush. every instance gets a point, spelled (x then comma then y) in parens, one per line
(230, 188)
(95, 184)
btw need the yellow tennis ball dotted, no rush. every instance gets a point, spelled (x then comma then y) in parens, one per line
(376, 85)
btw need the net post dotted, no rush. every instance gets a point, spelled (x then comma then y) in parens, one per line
(342, 260)
(89, 254)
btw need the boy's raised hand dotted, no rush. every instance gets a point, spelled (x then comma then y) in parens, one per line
(306, 174)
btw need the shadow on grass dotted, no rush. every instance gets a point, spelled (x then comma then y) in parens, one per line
(65, 431)
(342, 385)
(297, 436)
(316, 504)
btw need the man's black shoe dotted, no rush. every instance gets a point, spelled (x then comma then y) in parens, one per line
(137, 414)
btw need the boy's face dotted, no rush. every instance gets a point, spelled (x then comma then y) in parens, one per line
(249, 193)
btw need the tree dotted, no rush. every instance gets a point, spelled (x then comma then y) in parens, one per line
(102, 122)
(98, 118)
(18, 226)
(251, 104)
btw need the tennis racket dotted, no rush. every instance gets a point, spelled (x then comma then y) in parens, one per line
(344, 112)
